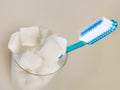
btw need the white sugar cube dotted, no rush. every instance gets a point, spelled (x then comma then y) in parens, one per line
(51, 51)
(30, 61)
(29, 36)
(47, 68)
(62, 42)
(45, 32)
(14, 43)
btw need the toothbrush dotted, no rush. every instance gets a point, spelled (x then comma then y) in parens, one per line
(95, 32)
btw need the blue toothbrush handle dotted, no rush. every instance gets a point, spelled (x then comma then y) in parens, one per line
(75, 46)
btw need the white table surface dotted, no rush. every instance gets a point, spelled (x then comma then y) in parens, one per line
(94, 67)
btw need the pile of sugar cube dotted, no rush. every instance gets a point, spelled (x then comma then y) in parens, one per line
(38, 49)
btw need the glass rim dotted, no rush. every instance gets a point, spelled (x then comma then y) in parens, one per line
(15, 58)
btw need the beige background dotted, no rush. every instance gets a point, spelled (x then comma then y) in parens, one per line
(94, 67)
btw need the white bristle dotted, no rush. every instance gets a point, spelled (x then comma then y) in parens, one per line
(106, 20)
(97, 31)
(107, 24)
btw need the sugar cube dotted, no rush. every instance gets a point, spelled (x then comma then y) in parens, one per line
(45, 32)
(30, 61)
(14, 43)
(29, 36)
(62, 42)
(51, 51)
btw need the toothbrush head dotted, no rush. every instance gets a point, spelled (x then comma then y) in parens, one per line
(98, 30)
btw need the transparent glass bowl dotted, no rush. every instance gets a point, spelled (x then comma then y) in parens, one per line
(61, 64)
(26, 80)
